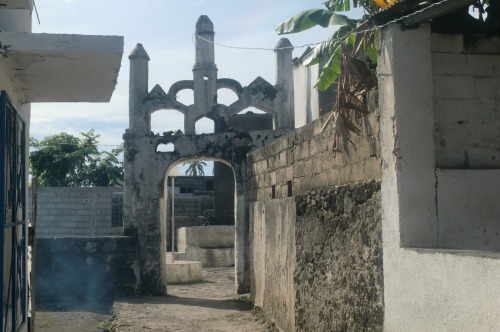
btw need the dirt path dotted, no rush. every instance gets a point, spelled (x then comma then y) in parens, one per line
(207, 306)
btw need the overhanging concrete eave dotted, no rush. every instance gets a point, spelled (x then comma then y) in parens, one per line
(61, 67)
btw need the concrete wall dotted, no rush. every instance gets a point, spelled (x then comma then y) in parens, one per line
(467, 122)
(75, 211)
(76, 272)
(438, 120)
(208, 237)
(272, 238)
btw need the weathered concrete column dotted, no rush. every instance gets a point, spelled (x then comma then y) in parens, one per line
(284, 78)
(407, 135)
(138, 89)
(204, 73)
(408, 189)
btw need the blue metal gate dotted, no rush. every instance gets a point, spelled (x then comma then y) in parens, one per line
(13, 215)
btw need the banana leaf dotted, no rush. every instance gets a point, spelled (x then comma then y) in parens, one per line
(311, 18)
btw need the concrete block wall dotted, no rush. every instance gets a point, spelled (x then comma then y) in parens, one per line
(304, 160)
(439, 219)
(466, 78)
(192, 207)
(187, 210)
(66, 211)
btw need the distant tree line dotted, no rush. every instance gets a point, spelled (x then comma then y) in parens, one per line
(64, 160)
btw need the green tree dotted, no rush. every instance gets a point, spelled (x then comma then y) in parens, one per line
(64, 160)
(196, 168)
(353, 40)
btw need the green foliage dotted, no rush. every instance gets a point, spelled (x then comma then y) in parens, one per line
(330, 51)
(107, 326)
(196, 168)
(310, 18)
(64, 160)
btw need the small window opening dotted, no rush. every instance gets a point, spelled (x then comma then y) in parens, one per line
(289, 189)
(165, 147)
(273, 192)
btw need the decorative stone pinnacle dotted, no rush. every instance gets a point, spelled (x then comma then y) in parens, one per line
(138, 52)
(204, 26)
(283, 43)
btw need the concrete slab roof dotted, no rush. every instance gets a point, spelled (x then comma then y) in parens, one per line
(62, 68)
(17, 4)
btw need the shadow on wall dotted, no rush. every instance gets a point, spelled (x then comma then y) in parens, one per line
(85, 272)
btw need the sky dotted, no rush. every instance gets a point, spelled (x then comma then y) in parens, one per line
(165, 28)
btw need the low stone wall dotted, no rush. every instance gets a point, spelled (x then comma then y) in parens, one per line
(209, 237)
(213, 246)
(85, 271)
(338, 279)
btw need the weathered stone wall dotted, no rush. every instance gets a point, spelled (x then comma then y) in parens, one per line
(85, 271)
(63, 211)
(338, 279)
(315, 233)
(251, 121)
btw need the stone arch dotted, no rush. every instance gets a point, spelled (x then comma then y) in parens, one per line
(145, 167)
(241, 233)
(145, 196)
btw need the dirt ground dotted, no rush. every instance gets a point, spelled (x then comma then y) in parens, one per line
(208, 306)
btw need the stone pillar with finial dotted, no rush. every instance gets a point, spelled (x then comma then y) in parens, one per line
(284, 80)
(204, 73)
(138, 90)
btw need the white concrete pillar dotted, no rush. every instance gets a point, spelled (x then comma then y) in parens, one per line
(284, 79)
(138, 90)
(407, 137)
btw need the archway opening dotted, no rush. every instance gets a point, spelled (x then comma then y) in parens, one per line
(166, 121)
(194, 230)
(226, 96)
(204, 126)
(185, 96)
(169, 147)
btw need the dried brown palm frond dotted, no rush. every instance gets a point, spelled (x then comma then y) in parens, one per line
(355, 79)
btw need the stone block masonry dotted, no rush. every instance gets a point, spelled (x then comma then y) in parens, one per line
(303, 160)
